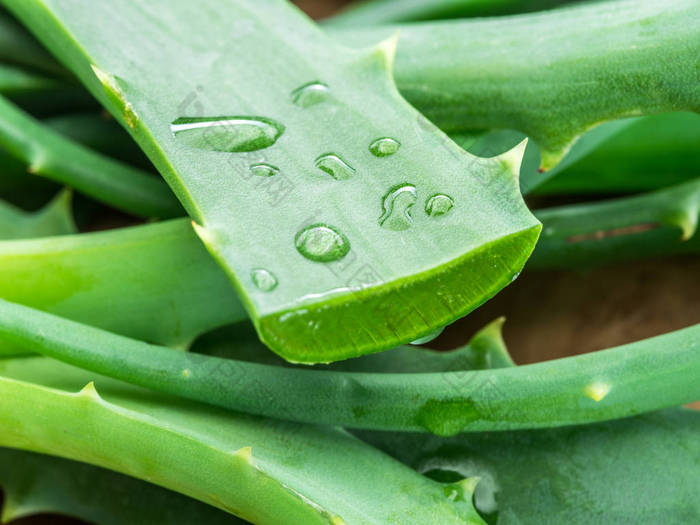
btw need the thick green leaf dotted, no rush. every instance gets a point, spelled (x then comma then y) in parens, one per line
(552, 75)
(395, 269)
(662, 222)
(51, 155)
(643, 470)
(56, 218)
(376, 12)
(651, 153)
(264, 471)
(38, 484)
(154, 282)
(646, 375)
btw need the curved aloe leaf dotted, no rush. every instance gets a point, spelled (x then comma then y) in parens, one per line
(587, 64)
(56, 218)
(264, 471)
(376, 12)
(329, 229)
(49, 154)
(37, 484)
(651, 153)
(15, 80)
(663, 222)
(641, 470)
(154, 282)
(581, 389)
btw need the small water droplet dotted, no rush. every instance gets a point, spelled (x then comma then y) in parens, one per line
(311, 94)
(335, 166)
(321, 243)
(397, 206)
(230, 134)
(264, 170)
(264, 279)
(438, 205)
(384, 147)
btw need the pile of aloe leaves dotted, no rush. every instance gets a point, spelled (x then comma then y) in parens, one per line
(229, 234)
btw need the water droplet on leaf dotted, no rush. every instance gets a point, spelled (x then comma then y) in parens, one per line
(321, 243)
(438, 205)
(397, 206)
(264, 170)
(335, 166)
(263, 279)
(230, 134)
(384, 147)
(311, 94)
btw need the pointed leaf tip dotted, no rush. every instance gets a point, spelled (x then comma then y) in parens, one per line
(513, 158)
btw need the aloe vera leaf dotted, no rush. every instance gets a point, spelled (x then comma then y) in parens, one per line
(51, 155)
(154, 282)
(642, 470)
(385, 287)
(267, 472)
(377, 12)
(56, 218)
(588, 64)
(485, 350)
(581, 389)
(662, 222)
(15, 80)
(37, 484)
(653, 152)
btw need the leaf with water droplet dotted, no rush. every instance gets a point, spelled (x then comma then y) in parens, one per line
(438, 205)
(264, 170)
(397, 206)
(322, 243)
(264, 279)
(401, 279)
(230, 134)
(311, 94)
(335, 166)
(384, 147)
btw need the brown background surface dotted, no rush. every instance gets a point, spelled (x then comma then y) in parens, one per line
(555, 314)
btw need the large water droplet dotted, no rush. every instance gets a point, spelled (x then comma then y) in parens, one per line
(263, 279)
(264, 170)
(322, 243)
(335, 166)
(384, 147)
(397, 206)
(438, 205)
(231, 134)
(311, 94)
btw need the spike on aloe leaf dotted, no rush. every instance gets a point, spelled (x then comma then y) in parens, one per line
(513, 158)
(462, 490)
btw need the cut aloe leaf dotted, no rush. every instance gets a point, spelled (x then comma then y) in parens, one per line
(38, 484)
(267, 144)
(56, 218)
(581, 389)
(586, 65)
(529, 477)
(158, 280)
(663, 222)
(267, 472)
(51, 155)
(377, 12)
(652, 152)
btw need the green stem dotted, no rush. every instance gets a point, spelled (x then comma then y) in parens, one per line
(377, 12)
(639, 377)
(267, 472)
(51, 155)
(586, 64)
(663, 222)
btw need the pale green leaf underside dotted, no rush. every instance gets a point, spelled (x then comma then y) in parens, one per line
(146, 62)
